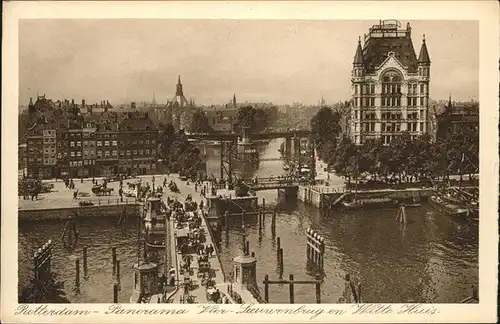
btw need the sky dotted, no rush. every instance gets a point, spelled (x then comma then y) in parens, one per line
(278, 61)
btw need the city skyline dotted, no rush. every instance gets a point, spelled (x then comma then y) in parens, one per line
(279, 61)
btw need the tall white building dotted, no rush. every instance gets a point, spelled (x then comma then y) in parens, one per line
(390, 85)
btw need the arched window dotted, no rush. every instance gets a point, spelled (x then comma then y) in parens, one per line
(391, 89)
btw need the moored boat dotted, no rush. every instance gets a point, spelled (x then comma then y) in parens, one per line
(368, 203)
(449, 208)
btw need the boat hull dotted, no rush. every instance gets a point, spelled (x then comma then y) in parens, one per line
(361, 204)
(447, 208)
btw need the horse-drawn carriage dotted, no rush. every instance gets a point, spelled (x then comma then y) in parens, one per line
(99, 190)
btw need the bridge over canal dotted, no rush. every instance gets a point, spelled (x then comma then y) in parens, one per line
(230, 142)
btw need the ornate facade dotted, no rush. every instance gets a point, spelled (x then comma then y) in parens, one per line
(390, 85)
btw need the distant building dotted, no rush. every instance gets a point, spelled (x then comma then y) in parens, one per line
(456, 117)
(223, 119)
(390, 85)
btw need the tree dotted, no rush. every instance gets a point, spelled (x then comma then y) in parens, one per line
(199, 122)
(346, 159)
(325, 126)
(178, 153)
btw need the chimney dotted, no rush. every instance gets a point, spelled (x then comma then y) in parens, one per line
(83, 102)
(107, 103)
(72, 102)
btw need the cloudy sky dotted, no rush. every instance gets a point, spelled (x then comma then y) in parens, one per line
(279, 61)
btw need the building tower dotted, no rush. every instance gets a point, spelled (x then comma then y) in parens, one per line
(175, 107)
(424, 66)
(234, 100)
(390, 85)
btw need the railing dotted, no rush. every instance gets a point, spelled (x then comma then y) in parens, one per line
(256, 294)
(105, 202)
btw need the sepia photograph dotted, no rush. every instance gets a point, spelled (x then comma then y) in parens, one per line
(176, 161)
(251, 162)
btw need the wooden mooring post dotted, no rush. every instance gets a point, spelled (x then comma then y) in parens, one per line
(278, 246)
(77, 269)
(115, 293)
(291, 283)
(263, 203)
(315, 248)
(273, 223)
(113, 258)
(85, 270)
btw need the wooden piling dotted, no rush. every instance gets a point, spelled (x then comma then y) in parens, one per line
(281, 259)
(278, 246)
(84, 260)
(292, 297)
(118, 271)
(266, 288)
(115, 293)
(263, 203)
(247, 249)
(347, 288)
(113, 257)
(77, 269)
(318, 289)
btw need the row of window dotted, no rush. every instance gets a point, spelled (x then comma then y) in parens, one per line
(109, 143)
(388, 88)
(387, 127)
(389, 101)
(113, 153)
(49, 161)
(386, 139)
(49, 140)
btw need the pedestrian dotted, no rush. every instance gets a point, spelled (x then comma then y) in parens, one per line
(195, 187)
(172, 279)
(120, 192)
(75, 194)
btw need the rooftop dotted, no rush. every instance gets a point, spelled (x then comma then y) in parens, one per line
(387, 37)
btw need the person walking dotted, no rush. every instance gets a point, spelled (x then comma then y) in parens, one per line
(120, 192)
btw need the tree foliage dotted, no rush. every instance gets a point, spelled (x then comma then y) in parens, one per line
(199, 122)
(178, 154)
(256, 119)
(325, 127)
(404, 159)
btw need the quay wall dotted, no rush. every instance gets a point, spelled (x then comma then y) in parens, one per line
(318, 197)
(80, 212)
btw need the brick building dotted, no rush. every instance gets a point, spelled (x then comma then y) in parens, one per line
(138, 143)
(390, 85)
(65, 139)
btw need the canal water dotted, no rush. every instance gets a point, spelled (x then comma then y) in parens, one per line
(433, 259)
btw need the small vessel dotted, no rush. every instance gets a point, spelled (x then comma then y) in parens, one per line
(368, 203)
(286, 167)
(413, 205)
(449, 208)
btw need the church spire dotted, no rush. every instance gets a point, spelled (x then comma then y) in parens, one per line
(234, 100)
(358, 57)
(424, 54)
(178, 91)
